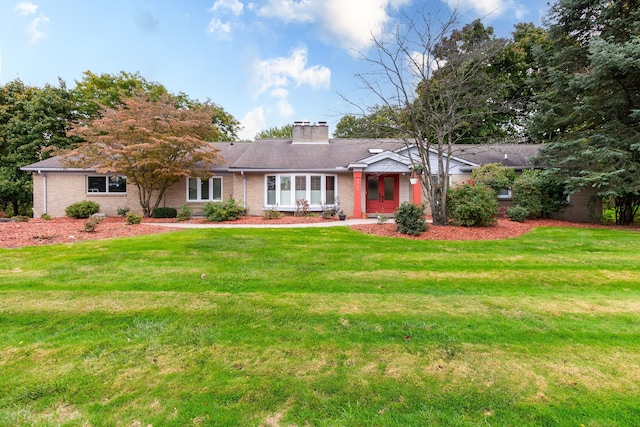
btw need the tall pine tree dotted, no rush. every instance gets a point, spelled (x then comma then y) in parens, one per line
(589, 109)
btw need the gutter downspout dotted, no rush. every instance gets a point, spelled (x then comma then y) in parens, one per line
(244, 190)
(44, 191)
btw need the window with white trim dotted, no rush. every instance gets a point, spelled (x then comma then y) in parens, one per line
(204, 190)
(106, 184)
(505, 193)
(284, 189)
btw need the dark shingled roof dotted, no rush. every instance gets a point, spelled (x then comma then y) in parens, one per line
(517, 156)
(282, 154)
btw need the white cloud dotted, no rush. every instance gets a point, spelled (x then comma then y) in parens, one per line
(348, 23)
(234, 6)
(252, 123)
(285, 109)
(279, 73)
(26, 8)
(218, 29)
(33, 29)
(289, 10)
(490, 8)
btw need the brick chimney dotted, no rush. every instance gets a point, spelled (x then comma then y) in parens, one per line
(310, 133)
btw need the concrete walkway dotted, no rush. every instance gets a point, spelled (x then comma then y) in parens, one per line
(345, 223)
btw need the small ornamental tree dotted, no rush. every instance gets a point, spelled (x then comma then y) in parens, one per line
(472, 204)
(153, 142)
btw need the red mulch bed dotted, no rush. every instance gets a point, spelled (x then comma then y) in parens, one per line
(504, 229)
(38, 232)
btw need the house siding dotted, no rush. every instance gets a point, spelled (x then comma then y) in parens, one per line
(64, 189)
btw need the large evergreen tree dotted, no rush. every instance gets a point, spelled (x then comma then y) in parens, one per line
(589, 108)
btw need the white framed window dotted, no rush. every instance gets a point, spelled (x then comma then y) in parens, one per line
(505, 193)
(106, 184)
(204, 190)
(283, 190)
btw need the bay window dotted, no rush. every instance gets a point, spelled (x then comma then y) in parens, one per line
(283, 190)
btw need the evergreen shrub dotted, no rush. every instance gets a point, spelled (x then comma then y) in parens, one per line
(472, 205)
(410, 220)
(517, 213)
(223, 211)
(164, 213)
(83, 209)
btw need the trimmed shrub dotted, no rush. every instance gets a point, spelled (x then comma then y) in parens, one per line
(410, 219)
(133, 218)
(46, 217)
(185, 213)
(517, 213)
(223, 211)
(472, 205)
(83, 209)
(164, 213)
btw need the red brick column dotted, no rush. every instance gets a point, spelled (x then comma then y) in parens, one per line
(417, 192)
(357, 194)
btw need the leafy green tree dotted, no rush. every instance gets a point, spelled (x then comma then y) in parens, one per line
(33, 121)
(520, 71)
(284, 132)
(378, 122)
(588, 110)
(93, 92)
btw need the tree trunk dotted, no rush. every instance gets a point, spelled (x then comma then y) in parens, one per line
(626, 209)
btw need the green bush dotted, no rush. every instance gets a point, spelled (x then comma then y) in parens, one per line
(185, 213)
(539, 193)
(123, 211)
(164, 213)
(46, 217)
(410, 219)
(133, 218)
(83, 209)
(517, 213)
(494, 175)
(472, 205)
(223, 211)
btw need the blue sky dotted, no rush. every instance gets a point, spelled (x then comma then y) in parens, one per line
(267, 62)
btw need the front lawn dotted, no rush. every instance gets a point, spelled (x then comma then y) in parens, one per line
(327, 327)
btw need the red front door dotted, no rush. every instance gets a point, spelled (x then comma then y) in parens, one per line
(382, 193)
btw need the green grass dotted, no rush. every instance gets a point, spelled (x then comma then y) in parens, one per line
(323, 327)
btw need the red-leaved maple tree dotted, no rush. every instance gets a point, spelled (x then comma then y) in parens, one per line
(154, 143)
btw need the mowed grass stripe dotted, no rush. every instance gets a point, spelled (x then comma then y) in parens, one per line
(301, 327)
